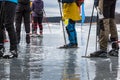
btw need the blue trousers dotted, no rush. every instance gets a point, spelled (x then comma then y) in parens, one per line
(72, 35)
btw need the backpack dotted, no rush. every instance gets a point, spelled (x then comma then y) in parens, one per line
(68, 1)
(38, 8)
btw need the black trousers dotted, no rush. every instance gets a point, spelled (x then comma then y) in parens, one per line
(22, 15)
(38, 20)
(109, 8)
(7, 21)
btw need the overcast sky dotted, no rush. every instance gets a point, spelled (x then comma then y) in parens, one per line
(52, 7)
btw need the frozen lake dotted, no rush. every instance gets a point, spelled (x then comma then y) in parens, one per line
(42, 60)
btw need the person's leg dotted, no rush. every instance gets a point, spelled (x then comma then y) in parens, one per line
(104, 30)
(72, 35)
(40, 25)
(1, 29)
(9, 25)
(113, 31)
(114, 34)
(114, 38)
(35, 21)
(18, 22)
(27, 25)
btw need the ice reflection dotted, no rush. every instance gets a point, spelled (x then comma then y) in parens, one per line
(105, 69)
(27, 67)
(70, 71)
(42, 60)
(11, 70)
(118, 71)
(36, 59)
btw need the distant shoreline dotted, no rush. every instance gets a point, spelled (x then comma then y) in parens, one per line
(87, 19)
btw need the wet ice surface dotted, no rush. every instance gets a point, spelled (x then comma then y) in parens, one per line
(42, 60)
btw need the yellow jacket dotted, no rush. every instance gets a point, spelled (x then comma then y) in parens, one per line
(30, 6)
(71, 11)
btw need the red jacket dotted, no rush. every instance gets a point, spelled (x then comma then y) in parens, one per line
(79, 2)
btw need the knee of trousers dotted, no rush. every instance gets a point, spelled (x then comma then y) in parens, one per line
(112, 22)
(104, 25)
(104, 34)
(113, 29)
(40, 26)
(70, 27)
(35, 25)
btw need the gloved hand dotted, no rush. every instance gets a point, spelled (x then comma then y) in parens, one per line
(58, 0)
(96, 2)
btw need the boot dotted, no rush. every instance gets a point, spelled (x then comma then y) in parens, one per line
(2, 50)
(27, 38)
(100, 53)
(114, 52)
(13, 54)
(69, 46)
(41, 29)
(41, 34)
(115, 49)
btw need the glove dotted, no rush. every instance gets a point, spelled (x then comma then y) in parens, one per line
(96, 2)
(58, 0)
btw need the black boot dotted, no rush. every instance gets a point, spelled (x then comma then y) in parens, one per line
(99, 53)
(2, 50)
(28, 39)
(69, 46)
(14, 54)
(115, 48)
(114, 52)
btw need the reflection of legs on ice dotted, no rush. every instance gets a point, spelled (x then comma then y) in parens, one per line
(72, 35)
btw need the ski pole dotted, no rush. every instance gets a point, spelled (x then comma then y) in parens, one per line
(62, 24)
(97, 30)
(99, 16)
(89, 31)
(46, 20)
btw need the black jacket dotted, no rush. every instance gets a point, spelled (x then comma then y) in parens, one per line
(24, 1)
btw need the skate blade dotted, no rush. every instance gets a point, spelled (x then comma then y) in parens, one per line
(67, 47)
(8, 57)
(40, 36)
(93, 57)
(86, 57)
